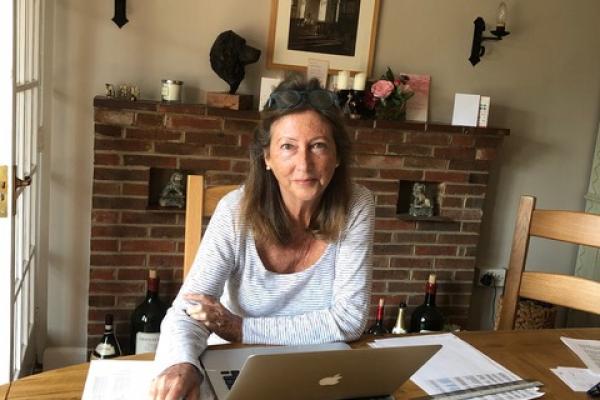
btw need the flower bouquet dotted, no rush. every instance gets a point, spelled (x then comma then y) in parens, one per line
(388, 96)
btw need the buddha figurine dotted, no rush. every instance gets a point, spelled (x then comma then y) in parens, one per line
(173, 194)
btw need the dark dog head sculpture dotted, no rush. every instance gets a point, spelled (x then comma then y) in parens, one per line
(229, 55)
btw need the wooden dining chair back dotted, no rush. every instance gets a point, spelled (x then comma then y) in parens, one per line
(200, 202)
(562, 290)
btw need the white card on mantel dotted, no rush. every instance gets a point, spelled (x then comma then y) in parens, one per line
(317, 69)
(466, 109)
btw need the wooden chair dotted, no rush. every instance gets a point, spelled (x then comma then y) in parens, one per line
(563, 290)
(200, 202)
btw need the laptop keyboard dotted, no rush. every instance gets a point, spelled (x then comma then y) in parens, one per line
(229, 377)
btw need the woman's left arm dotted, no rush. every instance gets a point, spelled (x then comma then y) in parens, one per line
(346, 318)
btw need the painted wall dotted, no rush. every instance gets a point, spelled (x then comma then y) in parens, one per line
(544, 81)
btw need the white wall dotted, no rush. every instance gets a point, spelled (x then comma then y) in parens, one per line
(544, 81)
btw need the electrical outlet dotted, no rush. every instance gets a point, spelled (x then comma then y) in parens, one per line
(490, 277)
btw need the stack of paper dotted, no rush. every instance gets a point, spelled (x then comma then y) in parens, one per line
(581, 379)
(459, 366)
(119, 380)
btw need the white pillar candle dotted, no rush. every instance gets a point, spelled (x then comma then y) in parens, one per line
(342, 80)
(359, 81)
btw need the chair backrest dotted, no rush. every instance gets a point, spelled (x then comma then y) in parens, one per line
(200, 202)
(563, 290)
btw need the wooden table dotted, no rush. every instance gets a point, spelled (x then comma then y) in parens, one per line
(529, 354)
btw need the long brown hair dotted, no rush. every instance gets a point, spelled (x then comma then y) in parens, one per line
(263, 209)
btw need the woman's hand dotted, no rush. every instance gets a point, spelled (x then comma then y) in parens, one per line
(215, 317)
(179, 381)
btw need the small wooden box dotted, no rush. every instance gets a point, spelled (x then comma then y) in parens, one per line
(230, 101)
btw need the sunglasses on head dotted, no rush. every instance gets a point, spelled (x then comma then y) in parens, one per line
(286, 99)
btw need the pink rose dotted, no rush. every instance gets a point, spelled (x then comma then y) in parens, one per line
(382, 88)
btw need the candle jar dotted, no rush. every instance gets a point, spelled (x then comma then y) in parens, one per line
(170, 90)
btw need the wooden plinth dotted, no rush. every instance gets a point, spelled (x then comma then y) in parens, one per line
(229, 101)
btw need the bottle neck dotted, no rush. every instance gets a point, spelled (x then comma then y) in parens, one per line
(108, 330)
(430, 289)
(400, 319)
(380, 314)
(152, 292)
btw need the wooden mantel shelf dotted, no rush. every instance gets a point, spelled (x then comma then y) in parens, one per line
(202, 109)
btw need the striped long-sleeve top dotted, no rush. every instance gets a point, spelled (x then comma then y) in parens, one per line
(326, 302)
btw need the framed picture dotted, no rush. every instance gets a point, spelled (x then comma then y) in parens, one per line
(339, 31)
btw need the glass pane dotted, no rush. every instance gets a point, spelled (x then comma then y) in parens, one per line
(17, 333)
(24, 340)
(27, 134)
(35, 107)
(21, 42)
(32, 278)
(30, 41)
(36, 40)
(19, 232)
(33, 206)
(19, 132)
(26, 195)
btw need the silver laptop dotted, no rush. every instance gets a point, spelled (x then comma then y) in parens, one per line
(323, 372)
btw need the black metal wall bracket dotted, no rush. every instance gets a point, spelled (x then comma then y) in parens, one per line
(120, 17)
(477, 48)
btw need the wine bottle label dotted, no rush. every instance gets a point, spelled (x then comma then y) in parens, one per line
(146, 342)
(105, 350)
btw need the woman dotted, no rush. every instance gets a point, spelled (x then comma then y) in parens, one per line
(286, 259)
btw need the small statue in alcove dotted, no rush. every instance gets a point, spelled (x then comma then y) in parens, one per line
(421, 205)
(228, 57)
(173, 194)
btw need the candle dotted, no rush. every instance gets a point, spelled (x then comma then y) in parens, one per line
(359, 81)
(342, 80)
(501, 15)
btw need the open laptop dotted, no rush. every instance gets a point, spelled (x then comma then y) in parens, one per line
(323, 372)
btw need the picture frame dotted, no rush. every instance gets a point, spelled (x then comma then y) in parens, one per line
(343, 32)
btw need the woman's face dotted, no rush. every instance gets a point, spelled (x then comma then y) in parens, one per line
(302, 156)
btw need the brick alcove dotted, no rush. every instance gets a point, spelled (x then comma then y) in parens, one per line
(128, 238)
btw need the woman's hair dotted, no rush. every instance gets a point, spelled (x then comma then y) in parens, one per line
(263, 209)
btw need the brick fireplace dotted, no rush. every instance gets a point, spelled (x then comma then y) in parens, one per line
(129, 236)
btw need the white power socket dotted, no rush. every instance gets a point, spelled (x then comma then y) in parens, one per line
(490, 277)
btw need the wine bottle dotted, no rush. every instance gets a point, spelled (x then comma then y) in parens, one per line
(378, 328)
(109, 345)
(427, 317)
(146, 319)
(399, 328)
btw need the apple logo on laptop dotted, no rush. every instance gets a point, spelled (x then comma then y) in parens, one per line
(330, 380)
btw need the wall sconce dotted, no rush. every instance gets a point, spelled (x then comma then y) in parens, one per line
(477, 49)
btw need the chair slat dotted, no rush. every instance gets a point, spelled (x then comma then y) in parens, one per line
(562, 290)
(567, 226)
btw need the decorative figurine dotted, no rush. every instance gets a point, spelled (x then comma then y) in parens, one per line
(173, 194)
(110, 90)
(134, 93)
(354, 105)
(421, 205)
(123, 91)
(229, 55)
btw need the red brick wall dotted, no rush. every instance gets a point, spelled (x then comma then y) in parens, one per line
(128, 238)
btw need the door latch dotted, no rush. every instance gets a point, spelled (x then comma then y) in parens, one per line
(3, 191)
